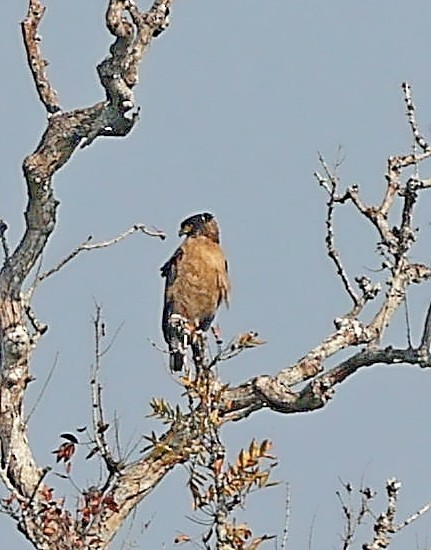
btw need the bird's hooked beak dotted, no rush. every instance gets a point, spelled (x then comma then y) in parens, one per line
(184, 231)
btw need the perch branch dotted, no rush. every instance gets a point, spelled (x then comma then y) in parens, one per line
(138, 479)
(316, 386)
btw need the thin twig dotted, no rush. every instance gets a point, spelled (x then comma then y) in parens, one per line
(102, 244)
(42, 476)
(349, 517)
(106, 349)
(43, 389)
(311, 532)
(40, 328)
(285, 535)
(99, 424)
(129, 529)
(329, 239)
(116, 422)
(408, 327)
(129, 447)
(414, 517)
(411, 117)
(426, 335)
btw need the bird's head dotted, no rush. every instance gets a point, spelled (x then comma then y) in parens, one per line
(200, 224)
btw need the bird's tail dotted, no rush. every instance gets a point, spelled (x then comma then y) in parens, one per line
(177, 360)
(179, 340)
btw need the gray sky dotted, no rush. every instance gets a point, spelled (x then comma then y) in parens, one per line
(237, 98)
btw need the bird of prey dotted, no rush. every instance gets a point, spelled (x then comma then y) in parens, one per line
(197, 282)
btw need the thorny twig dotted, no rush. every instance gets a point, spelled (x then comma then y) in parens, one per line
(285, 534)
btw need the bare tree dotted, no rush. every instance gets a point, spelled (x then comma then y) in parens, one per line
(193, 433)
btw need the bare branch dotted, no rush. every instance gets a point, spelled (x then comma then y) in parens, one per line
(39, 328)
(37, 64)
(349, 515)
(414, 516)
(4, 243)
(86, 246)
(385, 526)
(67, 131)
(43, 390)
(424, 183)
(266, 391)
(408, 327)
(426, 335)
(285, 534)
(118, 73)
(411, 117)
(330, 184)
(100, 425)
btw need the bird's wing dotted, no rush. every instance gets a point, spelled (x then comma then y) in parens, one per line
(172, 327)
(223, 282)
(169, 269)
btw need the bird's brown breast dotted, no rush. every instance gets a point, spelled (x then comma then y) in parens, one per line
(201, 281)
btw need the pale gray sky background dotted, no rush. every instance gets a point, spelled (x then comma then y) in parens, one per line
(237, 98)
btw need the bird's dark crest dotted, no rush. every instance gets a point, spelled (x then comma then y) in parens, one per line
(195, 224)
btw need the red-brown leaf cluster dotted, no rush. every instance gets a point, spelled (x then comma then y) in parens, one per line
(94, 503)
(65, 452)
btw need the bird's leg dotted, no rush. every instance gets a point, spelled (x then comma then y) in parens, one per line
(218, 338)
(187, 338)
